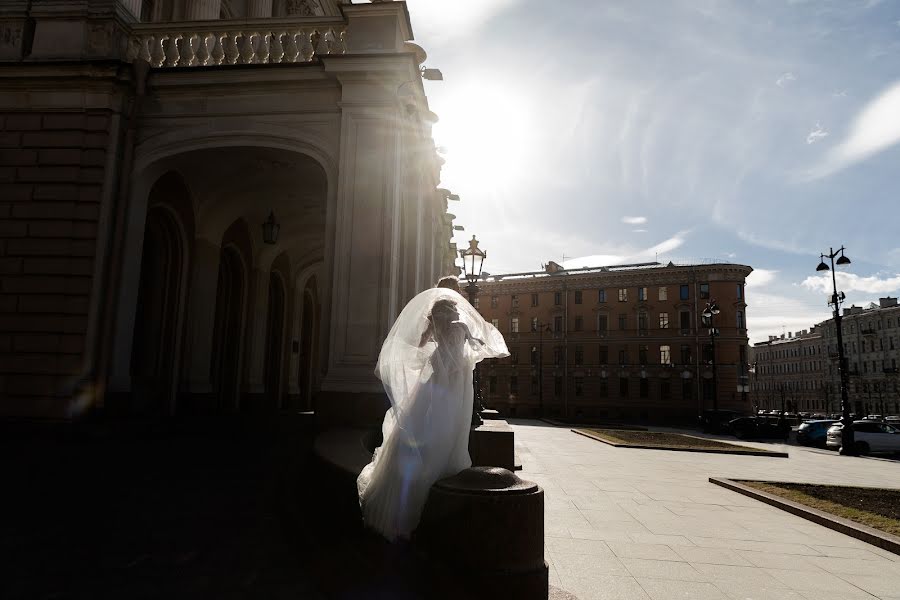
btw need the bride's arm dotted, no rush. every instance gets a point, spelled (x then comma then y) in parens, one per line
(426, 335)
(469, 335)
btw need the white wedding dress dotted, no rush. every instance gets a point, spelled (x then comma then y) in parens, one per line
(426, 366)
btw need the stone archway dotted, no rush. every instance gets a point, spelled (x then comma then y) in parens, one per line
(275, 322)
(161, 298)
(308, 343)
(231, 292)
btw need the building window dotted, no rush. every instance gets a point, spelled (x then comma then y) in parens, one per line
(514, 384)
(604, 355)
(685, 292)
(579, 355)
(623, 387)
(492, 384)
(644, 387)
(577, 296)
(515, 301)
(642, 294)
(601, 296)
(557, 323)
(557, 298)
(476, 302)
(642, 322)
(514, 356)
(493, 301)
(579, 323)
(534, 355)
(687, 356)
(704, 291)
(534, 324)
(685, 321)
(623, 321)
(534, 299)
(664, 389)
(740, 319)
(579, 386)
(534, 385)
(707, 354)
(603, 387)
(740, 291)
(665, 355)
(663, 320)
(557, 385)
(623, 295)
(623, 356)
(642, 354)
(602, 324)
(496, 324)
(687, 392)
(557, 355)
(663, 293)
(514, 325)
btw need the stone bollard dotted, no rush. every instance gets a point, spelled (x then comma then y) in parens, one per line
(485, 527)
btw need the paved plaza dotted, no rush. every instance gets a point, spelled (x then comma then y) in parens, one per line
(630, 524)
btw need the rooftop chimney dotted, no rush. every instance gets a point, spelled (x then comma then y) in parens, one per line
(887, 302)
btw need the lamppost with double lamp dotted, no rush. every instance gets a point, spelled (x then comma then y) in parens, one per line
(848, 446)
(711, 310)
(473, 260)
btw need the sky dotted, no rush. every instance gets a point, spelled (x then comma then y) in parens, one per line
(598, 132)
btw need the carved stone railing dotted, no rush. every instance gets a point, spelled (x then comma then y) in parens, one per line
(236, 42)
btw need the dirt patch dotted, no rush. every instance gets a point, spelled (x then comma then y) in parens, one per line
(663, 440)
(878, 508)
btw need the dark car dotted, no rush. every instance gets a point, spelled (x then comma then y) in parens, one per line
(813, 433)
(716, 421)
(761, 427)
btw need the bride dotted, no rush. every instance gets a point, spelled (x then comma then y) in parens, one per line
(426, 366)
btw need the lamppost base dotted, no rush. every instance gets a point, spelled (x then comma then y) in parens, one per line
(847, 451)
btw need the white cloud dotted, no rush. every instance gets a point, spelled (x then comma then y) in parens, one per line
(638, 231)
(785, 79)
(839, 94)
(676, 241)
(634, 220)
(629, 256)
(876, 128)
(850, 282)
(816, 134)
(774, 314)
(760, 277)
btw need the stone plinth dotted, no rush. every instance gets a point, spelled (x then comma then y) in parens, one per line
(492, 445)
(486, 527)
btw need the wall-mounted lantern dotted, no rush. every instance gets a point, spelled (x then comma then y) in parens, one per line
(270, 229)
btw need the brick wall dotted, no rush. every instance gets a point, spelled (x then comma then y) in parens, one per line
(51, 178)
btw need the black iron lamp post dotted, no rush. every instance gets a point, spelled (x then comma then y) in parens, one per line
(473, 260)
(270, 228)
(540, 329)
(848, 446)
(711, 310)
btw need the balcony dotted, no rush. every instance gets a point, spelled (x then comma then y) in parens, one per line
(237, 41)
(890, 370)
(867, 331)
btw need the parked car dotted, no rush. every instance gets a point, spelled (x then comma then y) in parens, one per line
(716, 421)
(870, 437)
(813, 433)
(761, 427)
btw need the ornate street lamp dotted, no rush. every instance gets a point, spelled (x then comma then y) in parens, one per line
(270, 229)
(473, 260)
(848, 445)
(711, 310)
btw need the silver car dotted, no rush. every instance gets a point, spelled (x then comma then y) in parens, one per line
(870, 437)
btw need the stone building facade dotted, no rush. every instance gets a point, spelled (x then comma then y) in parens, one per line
(803, 368)
(622, 342)
(787, 374)
(143, 145)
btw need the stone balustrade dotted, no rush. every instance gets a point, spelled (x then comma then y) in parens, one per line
(236, 42)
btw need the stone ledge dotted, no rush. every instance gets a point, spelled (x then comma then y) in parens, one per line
(883, 540)
(673, 449)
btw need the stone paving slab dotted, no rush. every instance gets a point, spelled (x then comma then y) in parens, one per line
(647, 524)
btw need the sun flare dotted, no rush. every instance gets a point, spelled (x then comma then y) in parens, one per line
(488, 134)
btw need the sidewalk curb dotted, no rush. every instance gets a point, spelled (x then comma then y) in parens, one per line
(883, 540)
(767, 453)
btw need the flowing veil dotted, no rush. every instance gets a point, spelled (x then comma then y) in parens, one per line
(426, 370)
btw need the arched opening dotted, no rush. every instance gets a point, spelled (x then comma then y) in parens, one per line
(153, 355)
(275, 342)
(227, 329)
(308, 335)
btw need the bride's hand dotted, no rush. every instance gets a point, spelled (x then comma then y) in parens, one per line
(468, 333)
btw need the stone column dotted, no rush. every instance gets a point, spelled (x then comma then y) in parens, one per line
(259, 8)
(202, 10)
(133, 7)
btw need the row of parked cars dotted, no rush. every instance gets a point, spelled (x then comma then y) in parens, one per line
(873, 434)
